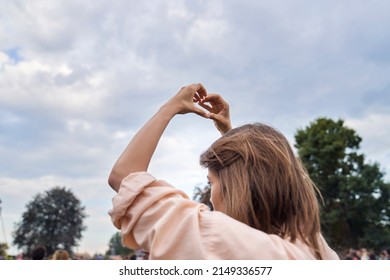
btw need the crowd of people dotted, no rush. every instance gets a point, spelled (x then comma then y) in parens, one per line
(39, 253)
(367, 254)
(352, 254)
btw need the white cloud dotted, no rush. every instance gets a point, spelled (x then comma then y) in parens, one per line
(37, 86)
(3, 59)
(76, 125)
(177, 160)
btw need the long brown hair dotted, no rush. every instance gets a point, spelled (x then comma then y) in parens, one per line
(264, 185)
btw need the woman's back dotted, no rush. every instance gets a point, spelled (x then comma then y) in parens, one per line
(164, 221)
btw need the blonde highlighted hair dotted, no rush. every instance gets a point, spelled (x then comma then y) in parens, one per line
(61, 255)
(264, 185)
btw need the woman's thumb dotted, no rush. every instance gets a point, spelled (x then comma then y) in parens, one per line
(201, 113)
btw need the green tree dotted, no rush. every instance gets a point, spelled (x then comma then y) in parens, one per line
(54, 219)
(115, 247)
(203, 195)
(3, 250)
(356, 200)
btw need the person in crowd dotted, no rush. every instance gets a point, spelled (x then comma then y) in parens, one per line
(61, 254)
(351, 254)
(384, 255)
(265, 203)
(39, 253)
(364, 255)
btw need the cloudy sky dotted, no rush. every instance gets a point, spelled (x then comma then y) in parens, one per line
(78, 78)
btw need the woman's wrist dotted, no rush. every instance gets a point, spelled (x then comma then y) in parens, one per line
(167, 111)
(225, 129)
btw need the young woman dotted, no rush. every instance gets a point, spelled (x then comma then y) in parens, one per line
(265, 203)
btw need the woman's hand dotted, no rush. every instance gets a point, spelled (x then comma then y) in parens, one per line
(184, 101)
(219, 111)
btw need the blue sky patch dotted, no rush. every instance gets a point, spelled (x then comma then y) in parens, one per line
(14, 54)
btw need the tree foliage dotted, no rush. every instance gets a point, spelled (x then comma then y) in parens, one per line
(53, 219)
(203, 195)
(115, 247)
(3, 250)
(356, 200)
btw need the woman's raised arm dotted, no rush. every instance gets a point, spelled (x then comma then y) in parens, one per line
(138, 153)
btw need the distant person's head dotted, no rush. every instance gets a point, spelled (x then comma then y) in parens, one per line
(256, 179)
(61, 255)
(384, 254)
(38, 253)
